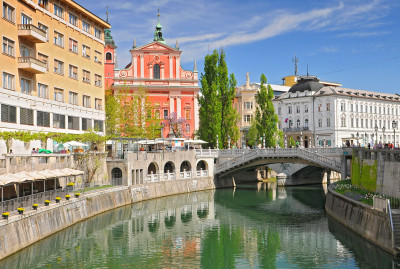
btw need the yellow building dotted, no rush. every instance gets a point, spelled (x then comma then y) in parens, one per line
(51, 67)
(292, 80)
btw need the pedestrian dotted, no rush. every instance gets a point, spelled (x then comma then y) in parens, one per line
(369, 146)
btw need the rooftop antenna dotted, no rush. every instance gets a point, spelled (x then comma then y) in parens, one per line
(307, 70)
(295, 60)
(107, 14)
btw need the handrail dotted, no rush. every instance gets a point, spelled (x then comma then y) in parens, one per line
(391, 220)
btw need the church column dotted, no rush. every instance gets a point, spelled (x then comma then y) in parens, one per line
(135, 66)
(162, 70)
(151, 70)
(142, 66)
(178, 107)
(196, 113)
(171, 105)
(177, 67)
(171, 67)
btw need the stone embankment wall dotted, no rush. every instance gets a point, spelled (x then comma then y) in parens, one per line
(23, 230)
(361, 219)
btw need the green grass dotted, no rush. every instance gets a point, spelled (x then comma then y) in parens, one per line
(96, 188)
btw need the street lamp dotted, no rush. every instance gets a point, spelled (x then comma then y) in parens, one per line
(301, 139)
(376, 134)
(264, 140)
(317, 142)
(394, 125)
(383, 130)
(217, 143)
(229, 141)
(357, 135)
(366, 141)
(285, 142)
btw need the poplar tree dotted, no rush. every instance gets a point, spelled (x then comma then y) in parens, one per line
(266, 119)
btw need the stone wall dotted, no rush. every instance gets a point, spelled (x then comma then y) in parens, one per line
(361, 219)
(23, 230)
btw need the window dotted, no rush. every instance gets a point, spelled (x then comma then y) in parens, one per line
(375, 109)
(352, 123)
(351, 108)
(342, 107)
(108, 56)
(380, 110)
(58, 67)
(361, 108)
(279, 110)
(43, 91)
(73, 46)
(98, 125)
(73, 72)
(26, 116)
(319, 122)
(43, 118)
(26, 86)
(289, 109)
(25, 19)
(58, 121)
(8, 46)
(8, 12)
(97, 56)
(86, 27)
(86, 101)
(370, 109)
(297, 109)
(157, 114)
(366, 123)
(58, 39)
(58, 95)
(73, 19)
(73, 123)
(187, 114)
(165, 113)
(328, 122)
(85, 76)
(290, 123)
(98, 80)
(44, 28)
(86, 124)
(356, 108)
(98, 104)
(343, 122)
(306, 123)
(328, 106)
(8, 113)
(362, 123)
(85, 51)
(97, 33)
(25, 51)
(43, 3)
(356, 123)
(156, 71)
(73, 98)
(319, 107)
(298, 123)
(187, 128)
(58, 11)
(44, 58)
(248, 105)
(305, 108)
(8, 81)
(247, 118)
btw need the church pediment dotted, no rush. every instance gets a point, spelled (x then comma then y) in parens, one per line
(156, 46)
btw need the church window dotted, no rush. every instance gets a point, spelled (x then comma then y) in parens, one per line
(156, 71)
(108, 56)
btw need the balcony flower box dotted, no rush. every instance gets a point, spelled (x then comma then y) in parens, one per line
(67, 197)
(5, 215)
(21, 210)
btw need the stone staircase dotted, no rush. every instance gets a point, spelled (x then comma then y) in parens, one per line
(396, 226)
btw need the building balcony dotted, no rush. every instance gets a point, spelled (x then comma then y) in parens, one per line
(32, 33)
(295, 129)
(32, 65)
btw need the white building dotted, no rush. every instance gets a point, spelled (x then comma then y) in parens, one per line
(313, 114)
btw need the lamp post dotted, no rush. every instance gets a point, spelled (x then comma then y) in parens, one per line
(376, 134)
(324, 142)
(301, 139)
(383, 137)
(217, 143)
(394, 125)
(229, 141)
(357, 135)
(316, 141)
(285, 142)
(366, 141)
(264, 140)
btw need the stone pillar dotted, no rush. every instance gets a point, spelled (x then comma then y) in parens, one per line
(178, 65)
(162, 70)
(171, 105)
(178, 107)
(171, 67)
(343, 167)
(135, 66)
(142, 66)
(151, 70)
(196, 113)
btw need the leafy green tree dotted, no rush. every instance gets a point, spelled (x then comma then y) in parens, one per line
(266, 119)
(253, 133)
(217, 115)
(292, 143)
(112, 107)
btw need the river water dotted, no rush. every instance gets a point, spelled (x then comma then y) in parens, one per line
(251, 226)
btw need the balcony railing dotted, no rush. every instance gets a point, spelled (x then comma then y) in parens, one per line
(32, 65)
(32, 33)
(296, 129)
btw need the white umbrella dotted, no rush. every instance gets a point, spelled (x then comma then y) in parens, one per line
(75, 144)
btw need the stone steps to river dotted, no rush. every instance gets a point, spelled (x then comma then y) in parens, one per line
(396, 226)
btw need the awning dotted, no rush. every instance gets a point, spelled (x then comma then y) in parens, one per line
(74, 144)
(72, 172)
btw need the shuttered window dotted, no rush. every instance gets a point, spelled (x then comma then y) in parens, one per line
(58, 121)
(43, 119)
(26, 116)
(73, 123)
(98, 125)
(8, 113)
(86, 124)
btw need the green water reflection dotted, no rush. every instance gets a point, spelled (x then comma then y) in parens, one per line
(252, 226)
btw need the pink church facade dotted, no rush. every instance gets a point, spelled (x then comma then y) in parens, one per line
(155, 67)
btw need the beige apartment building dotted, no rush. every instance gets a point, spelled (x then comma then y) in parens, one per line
(51, 67)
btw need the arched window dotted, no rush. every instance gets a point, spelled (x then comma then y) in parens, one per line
(187, 128)
(156, 71)
(298, 123)
(108, 56)
(306, 123)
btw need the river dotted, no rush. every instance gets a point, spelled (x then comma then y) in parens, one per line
(251, 226)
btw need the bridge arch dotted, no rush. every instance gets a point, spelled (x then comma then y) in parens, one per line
(169, 167)
(201, 165)
(186, 166)
(153, 168)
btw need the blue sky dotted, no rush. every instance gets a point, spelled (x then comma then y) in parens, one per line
(354, 42)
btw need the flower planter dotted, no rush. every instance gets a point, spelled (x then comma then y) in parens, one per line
(34, 207)
(77, 195)
(5, 217)
(21, 212)
(67, 198)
